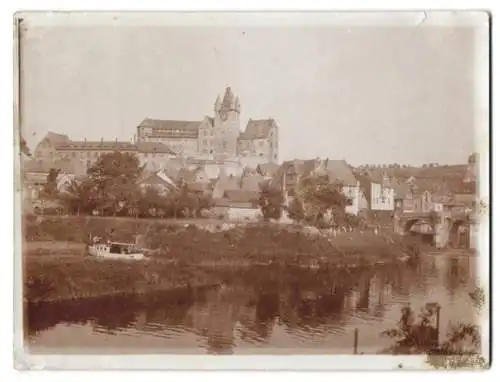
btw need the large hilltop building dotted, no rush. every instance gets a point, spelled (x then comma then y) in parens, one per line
(218, 137)
(215, 142)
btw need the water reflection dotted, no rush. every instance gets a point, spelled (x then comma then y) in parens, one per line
(268, 307)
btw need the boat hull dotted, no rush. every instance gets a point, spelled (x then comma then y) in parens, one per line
(102, 252)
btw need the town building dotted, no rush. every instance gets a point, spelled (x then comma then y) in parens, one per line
(219, 137)
(46, 149)
(158, 181)
(267, 170)
(215, 167)
(340, 171)
(152, 154)
(34, 178)
(377, 189)
(470, 174)
(290, 174)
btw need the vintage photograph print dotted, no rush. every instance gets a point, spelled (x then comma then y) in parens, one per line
(195, 186)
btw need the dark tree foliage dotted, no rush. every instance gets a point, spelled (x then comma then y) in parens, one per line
(115, 178)
(295, 210)
(152, 203)
(50, 187)
(322, 197)
(80, 197)
(111, 189)
(270, 202)
(417, 334)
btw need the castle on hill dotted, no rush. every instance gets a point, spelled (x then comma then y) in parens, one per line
(218, 137)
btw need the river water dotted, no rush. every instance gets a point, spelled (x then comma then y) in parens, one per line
(265, 310)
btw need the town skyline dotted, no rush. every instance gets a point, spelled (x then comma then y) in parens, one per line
(115, 77)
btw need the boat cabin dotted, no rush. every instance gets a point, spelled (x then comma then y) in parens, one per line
(122, 248)
(116, 248)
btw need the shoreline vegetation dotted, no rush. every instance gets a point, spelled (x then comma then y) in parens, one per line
(185, 255)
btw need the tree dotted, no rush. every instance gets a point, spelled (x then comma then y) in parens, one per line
(295, 210)
(187, 201)
(150, 203)
(204, 202)
(79, 197)
(115, 178)
(321, 197)
(270, 202)
(417, 335)
(50, 187)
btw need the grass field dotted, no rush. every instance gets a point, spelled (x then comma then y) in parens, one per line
(185, 257)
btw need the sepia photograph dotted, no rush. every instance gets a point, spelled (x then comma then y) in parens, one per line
(207, 184)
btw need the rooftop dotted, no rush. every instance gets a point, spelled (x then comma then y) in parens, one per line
(97, 145)
(257, 129)
(154, 147)
(268, 169)
(242, 196)
(169, 128)
(56, 138)
(341, 171)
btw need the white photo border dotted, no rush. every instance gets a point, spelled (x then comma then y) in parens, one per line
(479, 19)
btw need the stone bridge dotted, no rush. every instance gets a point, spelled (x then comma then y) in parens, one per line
(447, 228)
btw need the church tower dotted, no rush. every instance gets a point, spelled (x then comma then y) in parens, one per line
(226, 124)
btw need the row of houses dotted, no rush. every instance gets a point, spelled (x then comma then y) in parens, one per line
(371, 194)
(235, 188)
(235, 194)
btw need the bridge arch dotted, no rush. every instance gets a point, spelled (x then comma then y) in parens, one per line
(409, 224)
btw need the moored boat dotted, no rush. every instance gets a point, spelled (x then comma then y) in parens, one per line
(115, 250)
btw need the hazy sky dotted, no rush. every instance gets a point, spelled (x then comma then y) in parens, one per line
(364, 94)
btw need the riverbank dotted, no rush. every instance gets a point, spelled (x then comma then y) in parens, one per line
(184, 257)
(197, 238)
(68, 278)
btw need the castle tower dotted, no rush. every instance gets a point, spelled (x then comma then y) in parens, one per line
(229, 107)
(226, 124)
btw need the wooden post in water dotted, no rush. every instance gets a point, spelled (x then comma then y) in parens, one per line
(435, 308)
(356, 336)
(438, 311)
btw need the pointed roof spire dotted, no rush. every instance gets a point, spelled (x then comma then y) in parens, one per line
(217, 103)
(228, 100)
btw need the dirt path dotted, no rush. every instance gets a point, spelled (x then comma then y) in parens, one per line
(53, 246)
